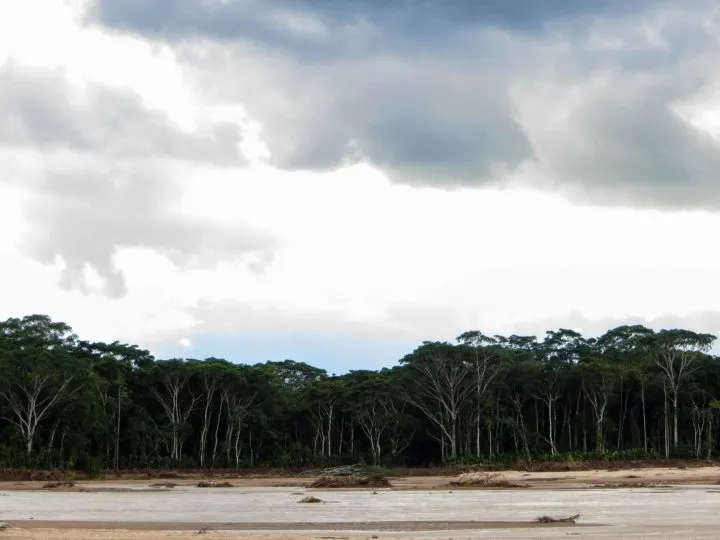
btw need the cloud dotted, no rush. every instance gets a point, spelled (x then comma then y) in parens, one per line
(86, 211)
(347, 93)
(462, 93)
(102, 171)
(420, 122)
(40, 108)
(626, 134)
(311, 19)
(122, 172)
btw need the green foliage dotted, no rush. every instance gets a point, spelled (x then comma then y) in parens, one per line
(483, 401)
(626, 454)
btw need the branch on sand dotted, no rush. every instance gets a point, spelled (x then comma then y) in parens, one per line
(549, 519)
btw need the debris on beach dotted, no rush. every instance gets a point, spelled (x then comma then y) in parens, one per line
(204, 484)
(550, 519)
(372, 481)
(310, 500)
(481, 479)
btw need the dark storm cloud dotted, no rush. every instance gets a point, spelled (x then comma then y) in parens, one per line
(632, 146)
(412, 20)
(429, 120)
(422, 88)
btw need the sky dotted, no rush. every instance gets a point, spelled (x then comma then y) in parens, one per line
(336, 182)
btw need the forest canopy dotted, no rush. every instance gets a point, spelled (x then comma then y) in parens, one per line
(630, 393)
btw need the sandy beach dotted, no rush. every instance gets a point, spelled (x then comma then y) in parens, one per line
(632, 501)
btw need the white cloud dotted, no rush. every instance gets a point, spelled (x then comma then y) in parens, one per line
(351, 251)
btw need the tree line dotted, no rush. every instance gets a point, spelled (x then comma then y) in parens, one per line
(631, 393)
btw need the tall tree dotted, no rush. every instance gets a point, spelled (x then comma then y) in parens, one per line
(36, 362)
(598, 382)
(442, 383)
(675, 353)
(171, 389)
(486, 361)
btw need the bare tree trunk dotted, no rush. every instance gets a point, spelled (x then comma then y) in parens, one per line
(399, 437)
(644, 415)
(176, 411)
(62, 444)
(699, 419)
(229, 430)
(116, 460)
(551, 427)
(518, 405)
(675, 419)
(237, 408)
(667, 423)
(374, 422)
(223, 398)
(341, 435)
(31, 404)
(478, 428)
(210, 387)
(577, 419)
(498, 426)
(708, 432)
(329, 410)
(549, 398)
(598, 397)
(443, 387)
(52, 436)
(568, 426)
(621, 421)
(675, 360)
(351, 425)
(237, 446)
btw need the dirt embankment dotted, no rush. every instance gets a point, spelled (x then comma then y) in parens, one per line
(539, 475)
(28, 475)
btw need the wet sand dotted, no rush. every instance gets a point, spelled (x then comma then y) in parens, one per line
(666, 502)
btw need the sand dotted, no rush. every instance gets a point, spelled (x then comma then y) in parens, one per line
(678, 502)
(631, 477)
(544, 480)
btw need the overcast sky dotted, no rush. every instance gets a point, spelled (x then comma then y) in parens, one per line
(337, 181)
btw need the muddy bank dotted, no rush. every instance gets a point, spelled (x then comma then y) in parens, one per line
(588, 479)
(27, 475)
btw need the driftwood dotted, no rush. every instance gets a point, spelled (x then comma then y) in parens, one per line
(344, 470)
(480, 479)
(549, 519)
(204, 484)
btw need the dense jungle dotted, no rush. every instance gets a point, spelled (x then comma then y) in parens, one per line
(631, 393)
